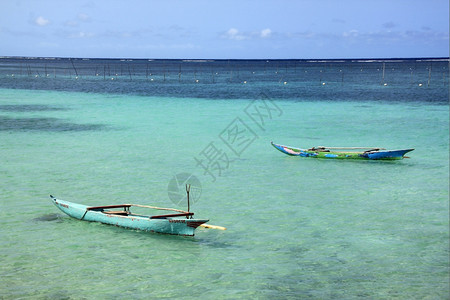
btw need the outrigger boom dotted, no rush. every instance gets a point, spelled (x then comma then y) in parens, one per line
(348, 148)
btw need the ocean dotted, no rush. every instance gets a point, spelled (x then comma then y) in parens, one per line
(111, 131)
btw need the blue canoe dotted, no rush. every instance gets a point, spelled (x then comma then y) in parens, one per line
(330, 152)
(178, 223)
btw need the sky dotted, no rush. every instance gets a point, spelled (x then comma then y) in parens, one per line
(212, 29)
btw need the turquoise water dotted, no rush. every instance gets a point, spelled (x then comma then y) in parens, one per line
(296, 227)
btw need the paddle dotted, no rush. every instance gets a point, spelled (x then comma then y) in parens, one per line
(213, 227)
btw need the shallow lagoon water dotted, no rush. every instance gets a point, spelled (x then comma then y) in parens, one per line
(297, 227)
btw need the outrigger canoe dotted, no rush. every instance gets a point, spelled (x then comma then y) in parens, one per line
(178, 223)
(373, 153)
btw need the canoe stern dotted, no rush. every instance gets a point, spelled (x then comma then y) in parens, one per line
(388, 155)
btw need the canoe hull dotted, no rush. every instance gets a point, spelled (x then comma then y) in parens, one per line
(373, 155)
(175, 226)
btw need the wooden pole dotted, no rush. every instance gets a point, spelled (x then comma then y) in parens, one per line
(73, 65)
(188, 188)
(154, 207)
(350, 148)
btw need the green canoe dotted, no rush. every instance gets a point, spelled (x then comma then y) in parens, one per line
(330, 152)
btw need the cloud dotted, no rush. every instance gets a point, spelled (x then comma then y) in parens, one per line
(234, 34)
(388, 36)
(178, 31)
(299, 35)
(81, 35)
(81, 18)
(84, 17)
(351, 34)
(41, 21)
(116, 34)
(71, 23)
(74, 34)
(389, 25)
(18, 33)
(266, 33)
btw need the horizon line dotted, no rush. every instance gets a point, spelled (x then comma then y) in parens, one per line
(442, 58)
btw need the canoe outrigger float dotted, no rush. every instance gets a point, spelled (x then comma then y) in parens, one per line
(178, 223)
(373, 153)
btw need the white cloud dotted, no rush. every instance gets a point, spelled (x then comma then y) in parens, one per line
(79, 35)
(71, 23)
(41, 21)
(352, 33)
(80, 18)
(234, 34)
(391, 37)
(266, 33)
(84, 17)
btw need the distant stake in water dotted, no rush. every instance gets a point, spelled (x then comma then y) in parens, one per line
(429, 76)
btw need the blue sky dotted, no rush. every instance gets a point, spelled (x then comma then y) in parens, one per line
(225, 29)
